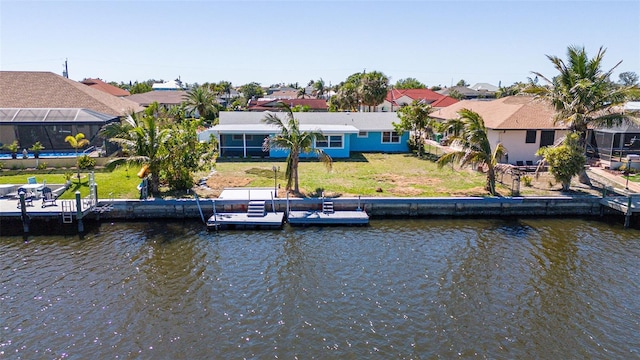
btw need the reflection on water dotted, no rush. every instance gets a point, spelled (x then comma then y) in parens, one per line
(398, 289)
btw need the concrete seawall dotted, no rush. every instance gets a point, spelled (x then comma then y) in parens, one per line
(375, 207)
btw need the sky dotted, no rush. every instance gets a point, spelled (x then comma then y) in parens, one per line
(271, 42)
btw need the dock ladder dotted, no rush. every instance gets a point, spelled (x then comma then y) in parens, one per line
(67, 211)
(327, 206)
(256, 209)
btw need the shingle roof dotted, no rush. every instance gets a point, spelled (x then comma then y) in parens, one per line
(32, 89)
(103, 86)
(162, 97)
(430, 96)
(313, 104)
(509, 113)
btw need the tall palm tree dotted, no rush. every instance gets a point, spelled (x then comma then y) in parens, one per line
(77, 142)
(297, 142)
(373, 88)
(582, 93)
(319, 88)
(225, 87)
(476, 148)
(200, 99)
(145, 139)
(302, 92)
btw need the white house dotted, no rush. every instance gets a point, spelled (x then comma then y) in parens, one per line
(521, 123)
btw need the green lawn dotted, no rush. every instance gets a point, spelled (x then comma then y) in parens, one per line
(364, 174)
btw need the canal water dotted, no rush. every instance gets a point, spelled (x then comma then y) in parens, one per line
(415, 289)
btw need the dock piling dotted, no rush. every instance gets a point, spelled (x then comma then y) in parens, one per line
(79, 212)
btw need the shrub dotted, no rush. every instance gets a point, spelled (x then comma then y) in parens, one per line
(1, 165)
(86, 162)
(42, 166)
(527, 180)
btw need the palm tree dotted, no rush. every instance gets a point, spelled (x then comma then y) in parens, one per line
(373, 88)
(582, 94)
(77, 142)
(225, 87)
(145, 139)
(302, 92)
(297, 142)
(476, 148)
(200, 99)
(319, 88)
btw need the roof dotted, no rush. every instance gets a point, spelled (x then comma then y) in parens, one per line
(465, 91)
(33, 89)
(429, 96)
(508, 113)
(103, 86)
(39, 115)
(362, 121)
(313, 104)
(268, 129)
(162, 97)
(169, 85)
(484, 87)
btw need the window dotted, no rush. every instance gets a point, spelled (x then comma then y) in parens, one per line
(531, 137)
(547, 137)
(238, 137)
(330, 141)
(390, 137)
(363, 134)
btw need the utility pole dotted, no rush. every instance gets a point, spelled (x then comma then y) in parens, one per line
(65, 72)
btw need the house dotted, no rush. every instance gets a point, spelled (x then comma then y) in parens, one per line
(485, 90)
(467, 93)
(173, 85)
(268, 104)
(612, 145)
(105, 87)
(242, 134)
(166, 99)
(521, 123)
(396, 98)
(46, 107)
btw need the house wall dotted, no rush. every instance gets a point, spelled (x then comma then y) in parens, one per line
(235, 147)
(515, 142)
(335, 153)
(373, 143)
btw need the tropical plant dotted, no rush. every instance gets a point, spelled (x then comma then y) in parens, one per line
(200, 100)
(86, 162)
(373, 88)
(582, 94)
(456, 94)
(462, 83)
(302, 93)
(77, 141)
(13, 147)
(415, 119)
(36, 148)
(319, 88)
(225, 87)
(565, 160)
(186, 154)
(409, 83)
(475, 148)
(251, 90)
(296, 142)
(144, 139)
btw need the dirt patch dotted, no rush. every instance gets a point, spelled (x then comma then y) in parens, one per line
(404, 182)
(405, 191)
(217, 183)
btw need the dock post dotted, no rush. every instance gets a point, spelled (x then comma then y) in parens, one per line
(23, 210)
(79, 212)
(359, 208)
(287, 204)
(95, 194)
(627, 216)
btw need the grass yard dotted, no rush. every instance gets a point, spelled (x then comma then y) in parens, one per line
(397, 175)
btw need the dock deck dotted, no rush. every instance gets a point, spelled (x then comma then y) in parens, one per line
(243, 221)
(624, 204)
(316, 217)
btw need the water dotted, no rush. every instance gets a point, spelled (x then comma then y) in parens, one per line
(558, 289)
(45, 155)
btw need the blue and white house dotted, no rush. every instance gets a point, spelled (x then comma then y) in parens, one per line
(242, 134)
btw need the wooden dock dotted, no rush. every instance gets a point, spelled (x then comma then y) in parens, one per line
(244, 221)
(317, 217)
(627, 205)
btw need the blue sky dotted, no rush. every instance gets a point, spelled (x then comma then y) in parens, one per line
(272, 42)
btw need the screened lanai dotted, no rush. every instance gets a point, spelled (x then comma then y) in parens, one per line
(614, 144)
(51, 126)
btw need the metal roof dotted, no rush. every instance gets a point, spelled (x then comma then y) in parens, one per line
(362, 121)
(53, 115)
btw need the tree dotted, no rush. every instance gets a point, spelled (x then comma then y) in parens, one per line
(251, 90)
(77, 141)
(201, 100)
(476, 148)
(462, 83)
(297, 142)
(302, 93)
(415, 119)
(409, 83)
(347, 97)
(185, 154)
(456, 94)
(139, 88)
(373, 88)
(565, 160)
(145, 140)
(582, 93)
(319, 88)
(628, 78)
(225, 87)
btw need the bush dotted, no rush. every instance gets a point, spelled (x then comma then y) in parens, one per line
(86, 162)
(527, 180)
(1, 165)
(42, 166)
